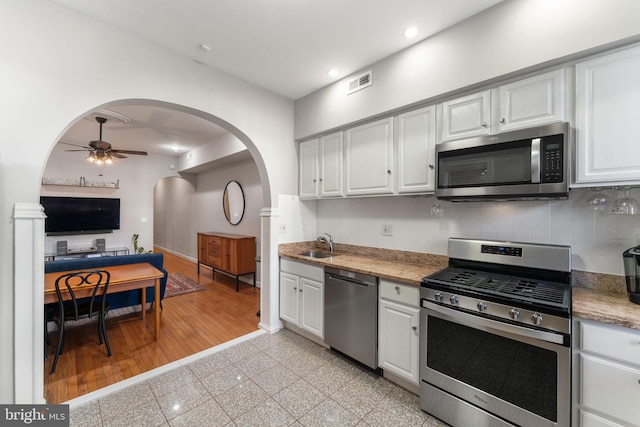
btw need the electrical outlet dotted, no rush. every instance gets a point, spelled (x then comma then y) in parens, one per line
(282, 229)
(386, 230)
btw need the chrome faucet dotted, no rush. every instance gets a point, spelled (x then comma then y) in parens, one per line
(329, 241)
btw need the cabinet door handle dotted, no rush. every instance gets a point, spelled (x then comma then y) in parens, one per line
(484, 124)
(415, 328)
(398, 289)
(300, 290)
(431, 166)
(389, 171)
(295, 288)
(503, 120)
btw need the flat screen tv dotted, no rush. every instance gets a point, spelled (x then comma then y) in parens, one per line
(80, 215)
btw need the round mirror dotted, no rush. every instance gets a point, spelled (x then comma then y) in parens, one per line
(233, 202)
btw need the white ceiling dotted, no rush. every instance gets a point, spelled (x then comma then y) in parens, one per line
(285, 46)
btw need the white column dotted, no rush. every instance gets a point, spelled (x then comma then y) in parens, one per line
(28, 303)
(269, 272)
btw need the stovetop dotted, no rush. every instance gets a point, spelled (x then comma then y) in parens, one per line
(524, 283)
(505, 287)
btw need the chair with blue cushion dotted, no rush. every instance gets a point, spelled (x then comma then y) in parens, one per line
(82, 294)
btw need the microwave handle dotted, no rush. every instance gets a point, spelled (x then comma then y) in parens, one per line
(535, 161)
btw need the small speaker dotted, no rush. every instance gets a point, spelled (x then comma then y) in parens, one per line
(100, 245)
(61, 247)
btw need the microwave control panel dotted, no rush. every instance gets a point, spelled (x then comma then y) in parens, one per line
(552, 159)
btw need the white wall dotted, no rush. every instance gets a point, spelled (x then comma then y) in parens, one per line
(507, 38)
(174, 214)
(208, 204)
(137, 176)
(597, 239)
(185, 207)
(58, 65)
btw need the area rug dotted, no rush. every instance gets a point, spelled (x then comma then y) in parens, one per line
(177, 284)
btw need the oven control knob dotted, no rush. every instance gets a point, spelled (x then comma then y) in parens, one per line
(438, 296)
(482, 307)
(453, 299)
(514, 313)
(536, 318)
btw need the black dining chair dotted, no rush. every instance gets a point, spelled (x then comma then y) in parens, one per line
(92, 287)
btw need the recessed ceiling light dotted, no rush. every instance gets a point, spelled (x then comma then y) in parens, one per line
(205, 48)
(333, 72)
(410, 32)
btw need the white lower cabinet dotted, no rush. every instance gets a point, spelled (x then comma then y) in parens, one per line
(607, 368)
(399, 330)
(302, 296)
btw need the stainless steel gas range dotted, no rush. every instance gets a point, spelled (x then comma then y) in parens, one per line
(495, 336)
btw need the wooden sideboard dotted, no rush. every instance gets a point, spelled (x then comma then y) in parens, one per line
(230, 253)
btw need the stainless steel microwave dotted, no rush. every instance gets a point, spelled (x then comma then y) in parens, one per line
(530, 163)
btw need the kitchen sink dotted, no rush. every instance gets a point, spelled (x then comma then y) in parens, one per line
(317, 254)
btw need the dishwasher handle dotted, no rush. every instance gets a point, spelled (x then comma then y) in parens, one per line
(349, 279)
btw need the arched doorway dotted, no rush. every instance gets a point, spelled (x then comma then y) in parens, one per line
(261, 173)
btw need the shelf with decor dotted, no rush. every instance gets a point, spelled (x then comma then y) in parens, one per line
(86, 253)
(81, 182)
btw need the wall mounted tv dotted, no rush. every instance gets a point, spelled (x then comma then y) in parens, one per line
(80, 215)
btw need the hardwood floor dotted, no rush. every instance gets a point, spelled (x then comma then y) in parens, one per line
(190, 323)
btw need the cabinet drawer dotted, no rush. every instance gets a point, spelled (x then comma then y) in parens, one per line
(590, 420)
(403, 294)
(617, 343)
(302, 269)
(610, 388)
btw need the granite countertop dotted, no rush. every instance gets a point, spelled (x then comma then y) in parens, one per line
(598, 297)
(401, 266)
(604, 306)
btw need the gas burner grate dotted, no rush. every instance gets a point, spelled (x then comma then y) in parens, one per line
(501, 285)
(538, 290)
(459, 277)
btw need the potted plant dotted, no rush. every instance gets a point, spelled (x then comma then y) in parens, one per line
(138, 249)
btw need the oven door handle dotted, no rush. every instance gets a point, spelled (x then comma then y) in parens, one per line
(482, 323)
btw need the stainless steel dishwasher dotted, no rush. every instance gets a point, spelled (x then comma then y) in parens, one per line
(351, 314)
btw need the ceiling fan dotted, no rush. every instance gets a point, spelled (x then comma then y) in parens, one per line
(101, 152)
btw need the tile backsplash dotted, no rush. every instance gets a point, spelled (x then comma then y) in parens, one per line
(597, 238)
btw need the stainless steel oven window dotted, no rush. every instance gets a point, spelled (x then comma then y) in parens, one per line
(519, 378)
(490, 165)
(518, 373)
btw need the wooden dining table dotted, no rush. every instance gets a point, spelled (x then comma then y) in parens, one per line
(123, 278)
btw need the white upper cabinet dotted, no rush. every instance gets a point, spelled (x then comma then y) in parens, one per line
(415, 143)
(466, 116)
(608, 101)
(369, 158)
(320, 167)
(308, 169)
(331, 161)
(533, 101)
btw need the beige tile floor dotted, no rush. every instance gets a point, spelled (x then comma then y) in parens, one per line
(280, 379)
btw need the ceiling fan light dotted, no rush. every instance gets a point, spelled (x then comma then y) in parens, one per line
(108, 160)
(90, 158)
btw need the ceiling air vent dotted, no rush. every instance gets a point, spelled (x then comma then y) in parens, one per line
(360, 82)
